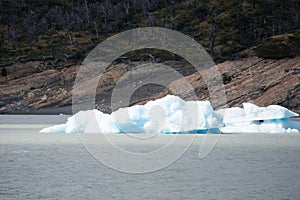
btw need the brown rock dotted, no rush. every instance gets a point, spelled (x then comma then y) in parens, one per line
(33, 86)
(255, 80)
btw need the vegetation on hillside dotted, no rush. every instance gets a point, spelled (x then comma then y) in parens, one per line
(280, 46)
(62, 32)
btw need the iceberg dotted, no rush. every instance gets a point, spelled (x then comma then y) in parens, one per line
(172, 114)
(254, 112)
(268, 126)
(255, 119)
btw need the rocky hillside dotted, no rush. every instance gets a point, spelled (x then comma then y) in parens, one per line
(256, 80)
(66, 30)
(36, 87)
(44, 42)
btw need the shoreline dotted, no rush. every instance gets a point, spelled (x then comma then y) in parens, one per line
(65, 110)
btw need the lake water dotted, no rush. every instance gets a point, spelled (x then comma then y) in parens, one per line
(54, 166)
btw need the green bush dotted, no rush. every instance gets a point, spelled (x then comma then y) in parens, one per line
(3, 72)
(226, 78)
(78, 56)
(281, 46)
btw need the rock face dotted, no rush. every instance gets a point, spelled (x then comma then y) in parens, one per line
(33, 87)
(260, 81)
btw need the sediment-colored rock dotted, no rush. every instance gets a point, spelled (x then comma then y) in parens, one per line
(32, 86)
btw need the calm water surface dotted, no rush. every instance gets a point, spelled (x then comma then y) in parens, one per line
(52, 166)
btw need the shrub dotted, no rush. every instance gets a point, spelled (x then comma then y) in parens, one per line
(3, 72)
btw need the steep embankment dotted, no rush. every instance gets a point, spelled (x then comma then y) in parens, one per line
(33, 87)
(257, 80)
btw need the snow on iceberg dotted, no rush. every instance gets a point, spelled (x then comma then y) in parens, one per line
(255, 119)
(163, 115)
(171, 114)
(254, 112)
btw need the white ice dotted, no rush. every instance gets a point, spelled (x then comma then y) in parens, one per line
(171, 114)
(255, 119)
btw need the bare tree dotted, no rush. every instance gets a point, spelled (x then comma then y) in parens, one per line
(145, 6)
(96, 28)
(126, 6)
(295, 7)
(55, 18)
(172, 8)
(68, 27)
(254, 3)
(212, 37)
(87, 12)
(30, 22)
(11, 35)
(105, 10)
(212, 29)
(257, 30)
(151, 20)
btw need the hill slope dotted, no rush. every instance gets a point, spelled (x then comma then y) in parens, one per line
(66, 30)
(262, 81)
(43, 43)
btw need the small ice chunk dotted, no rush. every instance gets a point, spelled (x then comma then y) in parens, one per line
(61, 128)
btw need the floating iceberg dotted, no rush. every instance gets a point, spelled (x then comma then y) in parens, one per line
(171, 114)
(255, 119)
(252, 112)
(267, 126)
